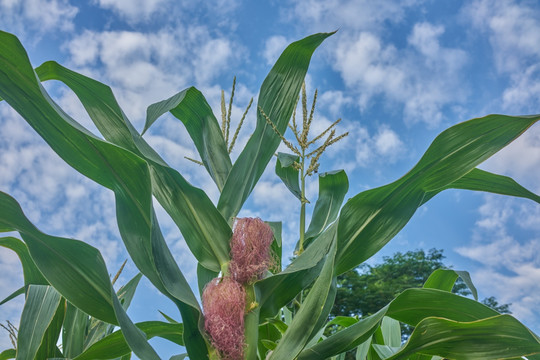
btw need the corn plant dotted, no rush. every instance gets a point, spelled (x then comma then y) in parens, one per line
(263, 308)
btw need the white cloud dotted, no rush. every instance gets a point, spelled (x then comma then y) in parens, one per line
(144, 68)
(424, 81)
(133, 10)
(513, 28)
(520, 160)
(37, 17)
(273, 47)
(524, 91)
(509, 267)
(349, 14)
(383, 147)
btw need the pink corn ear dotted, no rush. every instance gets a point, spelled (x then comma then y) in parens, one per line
(250, 249)
(224, 301)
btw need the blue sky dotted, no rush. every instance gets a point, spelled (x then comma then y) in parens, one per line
(396, 72)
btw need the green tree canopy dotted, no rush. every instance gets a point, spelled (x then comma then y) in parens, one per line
(366, 289)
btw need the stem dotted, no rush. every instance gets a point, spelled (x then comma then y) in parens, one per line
(303, 204)
(251, 324)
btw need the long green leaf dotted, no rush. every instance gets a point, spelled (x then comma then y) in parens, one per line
(101, 329)
(42, 302)
(31, 273)
(13, 295)
(274, 292)
(333, 186)
(481, 180)
(190, 107)
(277, 99)
(286, 171)
(302, 326)
(77, 270)
(74, 331)
(8, 354)
(73, 267)
(111, 166)
(372, 218)
(48, 348)
(204, 229)
(411, 307)
(114, 345)
(444, 279)
(498, 337)
(344, 340)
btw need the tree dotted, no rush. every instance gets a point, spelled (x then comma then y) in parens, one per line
(366, 289)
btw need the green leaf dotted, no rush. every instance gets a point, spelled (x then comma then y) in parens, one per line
(372, 218)
(206, 232)
(385, 351)
(344, 340)
(8, 354)
(302, 326)
(127, 174)
(276, 247)
(277, 99)
(480, 180)
(126, 292)
(48, 348)
(288, 173)
(191, 108)
(275, 291)
(414, 305)
(333, 186)
(13, 295)
(411, 307)
(74, 268)
(179, 357)
(31, 273)
(391, 332)
(114, 345)
(498, 337)
(41, 305)
(74, 331)
(444, 279)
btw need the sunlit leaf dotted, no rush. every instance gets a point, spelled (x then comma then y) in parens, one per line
(41, 305)
(277, 99)
(191, 108)
(498, 337)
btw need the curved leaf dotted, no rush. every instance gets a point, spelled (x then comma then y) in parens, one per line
(333, 186)
(76, 324)
(498, 337)
(202, 226)
(8, 354)
(13, 295)
(411, 307)
(344, 340)
(118, 169)
(42, 303)
(372, 218)
(444, 279)
(302, 326)
(31, 273)
(114, 345)
(286, 171)
(481, 180)
(76, 269)
(277, 99)
(277, 290)
(73, 267)
(190, 107)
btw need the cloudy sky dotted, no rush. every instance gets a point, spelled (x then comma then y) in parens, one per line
(397, 73)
